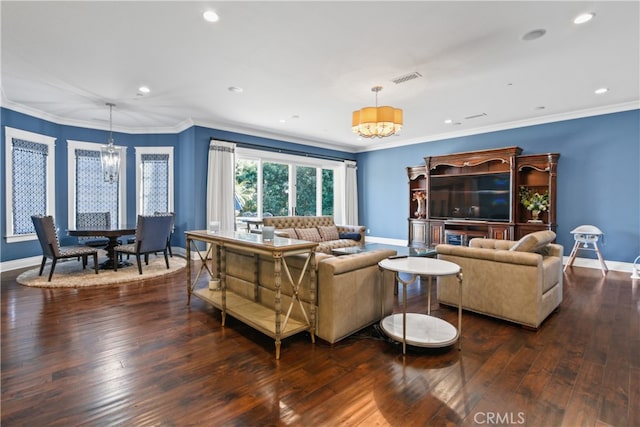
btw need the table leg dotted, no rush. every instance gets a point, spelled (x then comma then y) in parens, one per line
(188, 271)
(414, 277)
(429, 295)
(111, 257)
(221, 251)
(313, 295)
(404, 318)
(277, 278)
(459, 276)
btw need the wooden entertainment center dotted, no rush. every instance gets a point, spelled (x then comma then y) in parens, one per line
(456, 197)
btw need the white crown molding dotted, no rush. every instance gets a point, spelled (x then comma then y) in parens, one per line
(19, 108)
(187, 123)
(552, 118)
(327, 145)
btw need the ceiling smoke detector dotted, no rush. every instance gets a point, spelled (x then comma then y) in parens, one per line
(534, 35)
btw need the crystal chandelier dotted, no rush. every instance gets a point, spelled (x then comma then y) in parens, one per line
(110, 154)
(376, 122)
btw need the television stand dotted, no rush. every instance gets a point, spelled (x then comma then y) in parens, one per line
(455, 197)
(460, 232)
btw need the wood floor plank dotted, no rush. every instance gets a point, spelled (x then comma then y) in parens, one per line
(137, 354)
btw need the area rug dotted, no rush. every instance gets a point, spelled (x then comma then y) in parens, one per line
(69, 274)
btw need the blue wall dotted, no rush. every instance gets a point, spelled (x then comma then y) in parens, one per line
(598, 175)
(190, 175)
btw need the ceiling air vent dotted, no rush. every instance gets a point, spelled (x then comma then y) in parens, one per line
(406, 77)
(475, 116)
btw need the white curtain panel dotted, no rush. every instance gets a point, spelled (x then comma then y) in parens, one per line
(221, 184)
(351, 192)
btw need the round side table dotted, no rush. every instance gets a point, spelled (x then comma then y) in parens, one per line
(422, 330)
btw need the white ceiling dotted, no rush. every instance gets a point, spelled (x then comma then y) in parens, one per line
(312, 63)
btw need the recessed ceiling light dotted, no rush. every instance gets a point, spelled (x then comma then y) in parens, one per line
(585, 17)
(448, 121)
(534, 34)
(210, 16)
(144, 89)
(601, 90)
(283, 121)
(235, 89)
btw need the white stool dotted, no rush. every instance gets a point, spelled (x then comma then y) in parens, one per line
(584, 236)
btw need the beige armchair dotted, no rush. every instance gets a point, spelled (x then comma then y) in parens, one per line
(516, 281)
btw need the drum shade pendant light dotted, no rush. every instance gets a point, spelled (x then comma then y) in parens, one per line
(376, 122)
(110, 154)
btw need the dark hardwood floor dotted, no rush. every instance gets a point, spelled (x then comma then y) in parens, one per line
(137, 355)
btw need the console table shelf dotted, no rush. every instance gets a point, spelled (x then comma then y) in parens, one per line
(250, 313)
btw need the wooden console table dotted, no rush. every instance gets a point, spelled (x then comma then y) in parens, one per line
(250, 311)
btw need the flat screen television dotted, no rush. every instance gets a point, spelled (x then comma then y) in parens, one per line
(475, 197)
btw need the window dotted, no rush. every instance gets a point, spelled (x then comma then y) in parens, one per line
(306, 190)
(88, 191)
(275, 184)
(30, 182)
(280, 184)
(154, 180)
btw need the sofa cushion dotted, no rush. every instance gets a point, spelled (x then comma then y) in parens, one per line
(309, 234)
(287, 232)
(534, 242)
(350, 236)
(328, 232)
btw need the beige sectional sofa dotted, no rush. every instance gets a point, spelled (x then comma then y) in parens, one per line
(349, 288)
(516, 281)
(319, 229)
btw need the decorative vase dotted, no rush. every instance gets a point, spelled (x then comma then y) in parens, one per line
(420, 212)
(535, 216)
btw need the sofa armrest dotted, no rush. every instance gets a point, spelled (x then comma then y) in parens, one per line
(342, 264)
(554, 249)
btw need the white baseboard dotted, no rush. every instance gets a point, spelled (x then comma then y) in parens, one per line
(626, 267)
(33, 261)
(20, 263)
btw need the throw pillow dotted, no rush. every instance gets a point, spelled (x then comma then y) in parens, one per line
(286, 232)
(328, 232)
(352, 236)
(310, 234)
(533, 242)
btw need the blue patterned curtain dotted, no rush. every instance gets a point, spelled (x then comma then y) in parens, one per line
(93, 194)
(29, 181)
(154, 187)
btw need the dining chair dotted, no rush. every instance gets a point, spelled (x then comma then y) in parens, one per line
(152, 234)
(93, 220)
(173, 227)
(48, 237)
(173, 222)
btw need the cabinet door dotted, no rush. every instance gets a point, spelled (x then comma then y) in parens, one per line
(418, 233)
(524, 229)
(436, 233)
(500, 232)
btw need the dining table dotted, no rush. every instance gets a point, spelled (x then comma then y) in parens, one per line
(112, 233)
